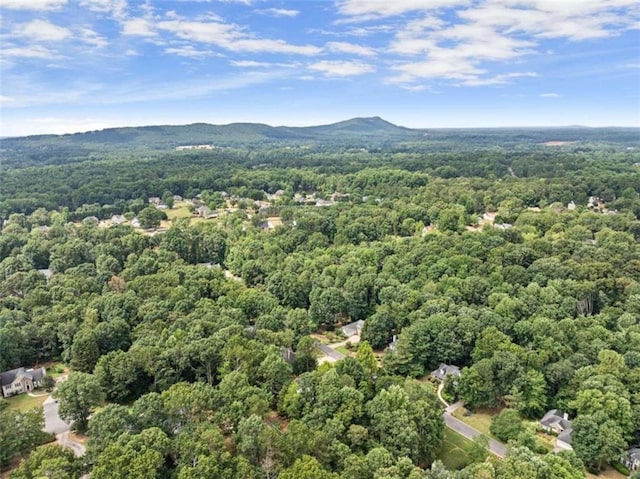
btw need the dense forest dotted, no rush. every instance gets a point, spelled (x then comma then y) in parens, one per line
(192, 343)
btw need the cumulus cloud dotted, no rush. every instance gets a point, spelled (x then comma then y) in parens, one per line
(138, 27)
(461, 41)
(279, 12)
(232, 38)
(353, 49)
(341, 68)
(41, 30)
(33, 4)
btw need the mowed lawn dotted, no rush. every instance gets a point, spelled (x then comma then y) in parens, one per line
(609, 473)
(24, 402)
(480, 420)
(453, 451)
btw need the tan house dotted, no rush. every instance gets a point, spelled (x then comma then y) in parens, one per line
(21, 380)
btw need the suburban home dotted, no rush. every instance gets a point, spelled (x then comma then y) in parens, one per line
(556, 422)
(205, 212)
(353, 329)
(631, 458)
(154, 200)
(21, 380)
(445, 370)
(118, 219)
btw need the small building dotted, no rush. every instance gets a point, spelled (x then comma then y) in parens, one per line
(393, 345)
(571, 206)
(445, 370)
(353, 329)
(118, 219)
(631, 458)
(135, 222)
(557, 422)
(177, 198)
(324, 203)
(21, 380)
(205, 212)
(154, 200)
(46, 272)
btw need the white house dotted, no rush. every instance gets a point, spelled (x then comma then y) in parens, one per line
(21, 380)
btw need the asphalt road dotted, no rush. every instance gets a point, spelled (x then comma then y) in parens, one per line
(496, 447)
(330, 352)
(54, 424)
(52, 421)
(467, 431)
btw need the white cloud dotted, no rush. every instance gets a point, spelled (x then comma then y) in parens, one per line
(500, 79)
(231, 37)
(344, 47)
(29, 52)
(138, 27)
(368, 9)
(550, 95)
(188, 51)
(117, 8)
(6, 100)
(33, 4)
(279, 12)
(255, 64)
(90, 37)
(341, 68)
(41, 30)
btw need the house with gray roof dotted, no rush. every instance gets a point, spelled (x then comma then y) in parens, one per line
(631, 458)
(556, 422)
(444, 370)
(353, 329)
(21, 380)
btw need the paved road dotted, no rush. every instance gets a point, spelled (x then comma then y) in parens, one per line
(467, 431)
(496, 447)
(55, 425)
(330, 352)
(52, 421)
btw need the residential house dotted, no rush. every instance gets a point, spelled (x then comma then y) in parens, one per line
(205, 212)
(118, 219)
(556, 422)
(631, 458)
(47, 273)
(445, 370)
(154, 200)
(21, 380)
(353, 329)
(135, 222)
(177, 198)
(571, 206)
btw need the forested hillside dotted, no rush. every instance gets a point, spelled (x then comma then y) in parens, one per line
(192, 338)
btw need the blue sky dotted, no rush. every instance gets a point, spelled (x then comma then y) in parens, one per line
(77, 65)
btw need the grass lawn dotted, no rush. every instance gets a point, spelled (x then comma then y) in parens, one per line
(453, 451)
(343, 350)
(181, 212)
(24, 402)
(480, 420)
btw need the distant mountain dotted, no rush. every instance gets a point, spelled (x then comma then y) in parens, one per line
(373, 132)
(162, 137)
